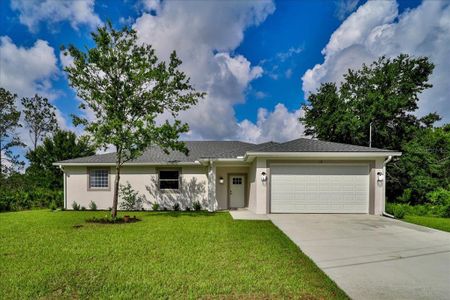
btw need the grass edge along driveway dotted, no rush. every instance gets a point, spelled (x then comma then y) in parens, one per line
(442, 224)
(166, 255)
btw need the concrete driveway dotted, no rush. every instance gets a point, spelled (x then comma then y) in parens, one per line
(373, 257)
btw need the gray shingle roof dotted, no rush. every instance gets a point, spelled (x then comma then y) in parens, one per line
(309, 145)
(197, 150)
(227, 149)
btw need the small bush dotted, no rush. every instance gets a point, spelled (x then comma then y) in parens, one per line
(397, 210)
(187, 208)
(439, 196)
(164, 208)
(53, 205)
(75, 206)
(131, 200)
(92, 206)
(176, 207)
(446, 212)
(197, 206)
(155, 206)
(83, 208)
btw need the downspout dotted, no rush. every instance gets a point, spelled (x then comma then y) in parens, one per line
(384, 190)
(64, 186)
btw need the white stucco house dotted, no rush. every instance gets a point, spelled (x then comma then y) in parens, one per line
(299, 176)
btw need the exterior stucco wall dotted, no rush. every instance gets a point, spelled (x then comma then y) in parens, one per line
(143, 179)
(252, 187)
(222, 188)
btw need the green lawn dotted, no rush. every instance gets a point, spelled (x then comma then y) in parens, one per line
(166, 255)
(433, 222)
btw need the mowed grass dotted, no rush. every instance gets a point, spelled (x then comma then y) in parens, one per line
(166, 255)
(432, 222)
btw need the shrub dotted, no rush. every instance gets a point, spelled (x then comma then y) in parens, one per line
(155, 206)
(92, 206)
(440, 196)
(53, 205)
(131, 200)
(75, 206)
(19, 199)
(176, 207)
(83, 208)
(446, 212)
(397, 210)
(197, 206)
(187, 208)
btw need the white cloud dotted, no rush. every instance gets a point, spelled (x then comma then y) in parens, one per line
(26, 71)
(260, 95)
(344, 7)
(377, 29)
(279, 125)
(204, 34)
(288, 73)
(33, 12)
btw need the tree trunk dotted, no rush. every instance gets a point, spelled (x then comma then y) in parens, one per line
(116, 191)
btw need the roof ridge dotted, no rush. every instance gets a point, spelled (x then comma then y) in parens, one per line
(338, 143)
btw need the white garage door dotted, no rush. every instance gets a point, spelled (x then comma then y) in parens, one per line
(308, 188)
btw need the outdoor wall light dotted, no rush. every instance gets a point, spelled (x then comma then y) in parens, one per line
(221, 180)
(263, 176)
(380, 176)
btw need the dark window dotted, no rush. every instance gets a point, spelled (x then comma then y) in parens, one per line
(237, 180)
(99, 178)
(169, 180)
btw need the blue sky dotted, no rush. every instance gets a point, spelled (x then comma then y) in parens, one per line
(256, 60)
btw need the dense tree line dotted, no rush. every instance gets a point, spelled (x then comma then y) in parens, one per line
(38, 183)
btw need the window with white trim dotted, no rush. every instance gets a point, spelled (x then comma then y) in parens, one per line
(169, 179)
(99, 179)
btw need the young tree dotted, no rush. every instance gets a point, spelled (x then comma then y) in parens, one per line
(61, 145)
(40, 118)
(9, 122)
(126, 87)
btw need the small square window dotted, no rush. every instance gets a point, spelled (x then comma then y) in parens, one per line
(169, 180)
(99, 178)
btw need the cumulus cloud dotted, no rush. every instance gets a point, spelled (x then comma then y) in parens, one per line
(377, 29)
(27, 71)
(280, 125)
(204, 34)
(33, 12)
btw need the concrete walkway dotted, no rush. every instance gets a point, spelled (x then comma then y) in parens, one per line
(245, 214)
(373, 257)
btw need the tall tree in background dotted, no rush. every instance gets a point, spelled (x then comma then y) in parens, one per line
(61, 145)
(383, 94)
(127, 88)
(40, 118)
(9, 122)
(424, 165)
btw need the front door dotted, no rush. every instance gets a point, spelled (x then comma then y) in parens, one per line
(237, 191)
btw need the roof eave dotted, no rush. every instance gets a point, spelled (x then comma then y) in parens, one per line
(249, 156)
(81, 164)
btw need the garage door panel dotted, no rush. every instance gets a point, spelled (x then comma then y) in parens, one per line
(320, 188)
